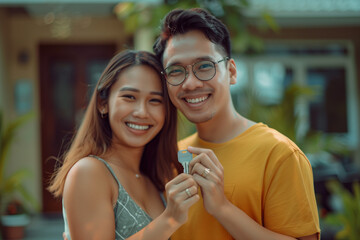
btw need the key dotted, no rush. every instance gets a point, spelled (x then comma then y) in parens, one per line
(184, 157)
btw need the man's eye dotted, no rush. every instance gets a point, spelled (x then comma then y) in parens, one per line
(204, 66)
(174, 72)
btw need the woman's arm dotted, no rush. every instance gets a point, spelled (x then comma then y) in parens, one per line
(88, 201)
(179, 200)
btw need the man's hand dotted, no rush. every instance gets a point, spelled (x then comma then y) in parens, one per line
(209, 174)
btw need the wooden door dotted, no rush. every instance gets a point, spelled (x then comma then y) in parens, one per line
(68, 74)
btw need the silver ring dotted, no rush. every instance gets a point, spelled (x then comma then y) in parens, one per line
(206, 172)
(188, 192)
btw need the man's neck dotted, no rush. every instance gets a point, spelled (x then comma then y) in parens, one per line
(224, 128)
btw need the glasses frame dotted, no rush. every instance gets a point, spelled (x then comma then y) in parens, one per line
(192, 69)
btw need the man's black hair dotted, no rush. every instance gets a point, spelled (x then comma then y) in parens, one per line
(181, 21)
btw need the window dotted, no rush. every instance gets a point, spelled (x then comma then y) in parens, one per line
(328, 68)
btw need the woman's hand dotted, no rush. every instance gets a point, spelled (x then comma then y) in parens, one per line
(182, 193)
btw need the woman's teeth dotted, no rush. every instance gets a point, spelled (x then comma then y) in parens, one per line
(138, 127)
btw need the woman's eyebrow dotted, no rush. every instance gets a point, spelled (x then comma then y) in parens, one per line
(124, 89)
(157, 93)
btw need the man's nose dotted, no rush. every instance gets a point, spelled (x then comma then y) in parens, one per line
(191, 82)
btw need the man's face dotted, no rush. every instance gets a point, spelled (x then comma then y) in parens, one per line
(199, 101)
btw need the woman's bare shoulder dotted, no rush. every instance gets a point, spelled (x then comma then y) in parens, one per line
(88, 173)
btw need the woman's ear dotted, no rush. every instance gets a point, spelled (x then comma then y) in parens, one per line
(102, 107)
(103, 111)
(232, 71)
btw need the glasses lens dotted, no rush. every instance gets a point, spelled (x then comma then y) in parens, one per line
(204, 70)
(175, 74)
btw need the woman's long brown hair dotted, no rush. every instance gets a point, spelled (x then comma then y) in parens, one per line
(159, 159)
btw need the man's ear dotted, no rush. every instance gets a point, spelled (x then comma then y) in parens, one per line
(232, 71)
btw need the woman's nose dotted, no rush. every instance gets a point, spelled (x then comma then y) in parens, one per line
(140, 110)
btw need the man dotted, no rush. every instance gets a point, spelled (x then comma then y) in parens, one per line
(255, 183)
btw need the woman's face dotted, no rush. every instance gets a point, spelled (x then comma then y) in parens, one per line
(136, 107)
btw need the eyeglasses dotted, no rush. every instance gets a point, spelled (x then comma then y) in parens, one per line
(203, 70)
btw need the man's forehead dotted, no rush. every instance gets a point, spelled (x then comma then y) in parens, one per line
(187, 47)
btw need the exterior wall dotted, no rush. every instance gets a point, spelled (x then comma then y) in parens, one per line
(3, 85)
(24, 34)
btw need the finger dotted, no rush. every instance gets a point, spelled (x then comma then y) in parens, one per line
(200, 169)
(190, 191)
(204, 167)
(177, 191)
(183, 197)
(172, 188)
(204, 160)
(191, 200)
(200, 180)
(208, 152)
(179, 178)
(206, 184)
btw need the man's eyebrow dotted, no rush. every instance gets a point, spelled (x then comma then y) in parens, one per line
(204, 58)
(124, 89)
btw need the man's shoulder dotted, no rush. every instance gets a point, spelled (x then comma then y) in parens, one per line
(266, 136)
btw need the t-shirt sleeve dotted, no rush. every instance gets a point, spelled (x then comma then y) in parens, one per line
(289, 198)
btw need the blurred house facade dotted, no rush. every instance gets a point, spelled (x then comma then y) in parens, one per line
(51, 54)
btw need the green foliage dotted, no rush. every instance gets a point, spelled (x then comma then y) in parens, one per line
(185, 127)
(11, 184)
(141, 15)
(285, 118)
(349, 217)
(282, 116)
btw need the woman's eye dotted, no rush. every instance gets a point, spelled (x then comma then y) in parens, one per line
(155, 100)
(128, 96)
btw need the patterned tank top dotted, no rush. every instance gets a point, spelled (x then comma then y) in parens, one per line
(129, 217)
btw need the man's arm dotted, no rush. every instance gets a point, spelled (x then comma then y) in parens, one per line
(241, 226)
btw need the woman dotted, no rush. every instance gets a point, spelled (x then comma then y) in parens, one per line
(121, 157)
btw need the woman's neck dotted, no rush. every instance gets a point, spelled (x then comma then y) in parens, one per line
(125, 157)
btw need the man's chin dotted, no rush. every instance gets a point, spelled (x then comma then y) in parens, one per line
(198, 118)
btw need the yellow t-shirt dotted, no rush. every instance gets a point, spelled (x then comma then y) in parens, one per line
(265, 175)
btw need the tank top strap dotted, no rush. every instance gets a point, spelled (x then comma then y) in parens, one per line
(163, 198)
(109, 168)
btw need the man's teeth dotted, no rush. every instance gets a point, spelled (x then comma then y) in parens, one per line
(138, 127)
(196, 100)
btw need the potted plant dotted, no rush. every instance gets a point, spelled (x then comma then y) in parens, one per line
(14, 220)
(11, 210)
